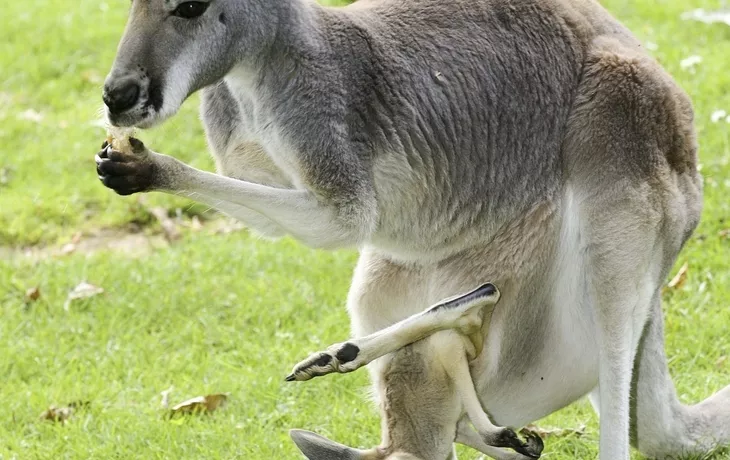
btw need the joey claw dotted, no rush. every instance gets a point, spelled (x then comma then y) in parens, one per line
(341, 358)
(316, 365)
(507, 438)
(533, 443)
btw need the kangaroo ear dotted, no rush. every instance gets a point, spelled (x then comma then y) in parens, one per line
(316, 447)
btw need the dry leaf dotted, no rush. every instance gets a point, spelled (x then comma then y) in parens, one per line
(679, 278)
(62, 414)
(556, 433)
(32, 294)
(201, 404)
(721, 361)
(83, 291)
(118, 138)
(724, 233)
(57, 414)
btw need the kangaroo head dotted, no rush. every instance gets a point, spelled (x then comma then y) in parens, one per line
(172, 48)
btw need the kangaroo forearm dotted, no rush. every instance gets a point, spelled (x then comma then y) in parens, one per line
(300, 213)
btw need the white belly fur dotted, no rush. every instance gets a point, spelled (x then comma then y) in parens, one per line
(568, 364)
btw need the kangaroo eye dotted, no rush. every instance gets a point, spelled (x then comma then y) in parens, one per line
(190, 10)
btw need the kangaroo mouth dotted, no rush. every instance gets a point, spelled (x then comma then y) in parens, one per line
(145, 113)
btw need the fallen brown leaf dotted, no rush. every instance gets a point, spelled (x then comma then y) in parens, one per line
(32, 294)
(201, 404)
(83, 291)
(62, 414)
(556, 432)
(57, 414)
(724, 233)
(679, 278)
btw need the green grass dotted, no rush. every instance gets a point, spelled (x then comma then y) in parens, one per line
(229, 313)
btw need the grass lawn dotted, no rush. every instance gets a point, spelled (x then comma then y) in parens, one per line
(220, 311)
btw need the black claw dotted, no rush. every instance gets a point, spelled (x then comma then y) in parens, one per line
(104, 145)
(528, 449)
(534, 442)
(526, 452)
(509, 439)
(103, 153)
(290, 378)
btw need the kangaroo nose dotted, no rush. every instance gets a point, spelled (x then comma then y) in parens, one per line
(121, 96)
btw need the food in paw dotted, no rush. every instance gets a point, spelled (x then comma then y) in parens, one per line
(118, 138)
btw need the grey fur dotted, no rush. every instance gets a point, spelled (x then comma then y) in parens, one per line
(528, 143)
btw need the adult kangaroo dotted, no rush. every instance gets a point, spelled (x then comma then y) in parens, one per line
(530, 144)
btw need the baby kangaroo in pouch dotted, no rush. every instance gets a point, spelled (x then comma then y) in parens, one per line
(466, 318)
(530, 144)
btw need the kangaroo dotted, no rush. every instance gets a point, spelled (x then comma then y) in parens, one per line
(529, 144)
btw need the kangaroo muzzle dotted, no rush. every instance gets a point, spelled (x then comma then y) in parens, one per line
(121, 94)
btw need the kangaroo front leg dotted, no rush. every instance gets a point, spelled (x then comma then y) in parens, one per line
(463, 313)
(127, 174)
(253, 220)
(318, 222)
